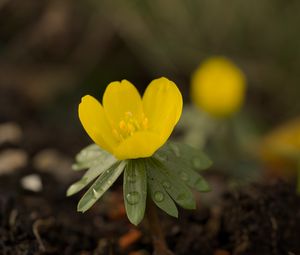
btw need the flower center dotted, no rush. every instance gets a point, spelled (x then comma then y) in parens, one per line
(130, 124)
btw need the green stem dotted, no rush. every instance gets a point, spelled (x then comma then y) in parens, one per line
(159, 243)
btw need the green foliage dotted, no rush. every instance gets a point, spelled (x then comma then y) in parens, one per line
(135, 190)
(103, 183)
(90, 156)
(96, 160)
(159, 195)
(166, 177)
(184, 160)
(179, 192)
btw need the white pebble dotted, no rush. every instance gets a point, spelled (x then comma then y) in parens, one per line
(32, 182)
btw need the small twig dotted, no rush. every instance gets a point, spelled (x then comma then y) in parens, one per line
(35, 228)
(12, 217)
(159, 243)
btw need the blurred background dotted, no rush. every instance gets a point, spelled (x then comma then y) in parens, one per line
(53, 52)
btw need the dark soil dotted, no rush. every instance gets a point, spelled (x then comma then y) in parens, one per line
(261, 219)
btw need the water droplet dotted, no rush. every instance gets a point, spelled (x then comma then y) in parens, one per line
(159, 196)
(131, 178)
(196, 163)
(95, 193)
(109, 182)
(166, 184)
(133, 197)
(184, 176)
(175, 149)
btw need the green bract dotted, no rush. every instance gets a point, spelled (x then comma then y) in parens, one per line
(166, 178)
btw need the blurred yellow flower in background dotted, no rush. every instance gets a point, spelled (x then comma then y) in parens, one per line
(218, 87)
(280, 149)
(127, 125)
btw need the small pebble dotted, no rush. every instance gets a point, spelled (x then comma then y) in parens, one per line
(10, 133)
(32, 182)
(11, 160)
(53, 162)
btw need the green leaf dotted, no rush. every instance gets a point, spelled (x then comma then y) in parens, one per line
(103, 183)
(135, 190)
(172, 184)
(90, 156)
(186, 174)
(175, 156)
(159, 196)
(91, 174)
(193, 158)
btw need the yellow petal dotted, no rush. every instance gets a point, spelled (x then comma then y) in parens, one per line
(120, 98)
(162, 102)
(140, 145)
(93, 119)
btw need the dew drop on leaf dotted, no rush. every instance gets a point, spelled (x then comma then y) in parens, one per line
(131, 178)
(133, 197)
(96, 194)
(184, 176)
(159, 196)
(166, 184)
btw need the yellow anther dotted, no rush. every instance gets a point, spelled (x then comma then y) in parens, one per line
(117, 135)
(131, 128)
(129, 125)
(136, 123)
(122, 125)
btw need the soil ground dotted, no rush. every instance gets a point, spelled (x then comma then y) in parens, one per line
(260, 219)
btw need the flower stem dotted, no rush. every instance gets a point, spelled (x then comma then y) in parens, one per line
(159, 243)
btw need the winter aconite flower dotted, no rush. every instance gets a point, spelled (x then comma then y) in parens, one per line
(130, 134)
(127, 125)
(280, 149)
(218, 87)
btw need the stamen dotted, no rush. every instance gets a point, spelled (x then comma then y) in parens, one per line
(117, 135)
(122, 125)
(129, 125)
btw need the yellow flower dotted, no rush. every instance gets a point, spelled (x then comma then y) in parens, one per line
(218, 87)
(280, 149)
(127, 125)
